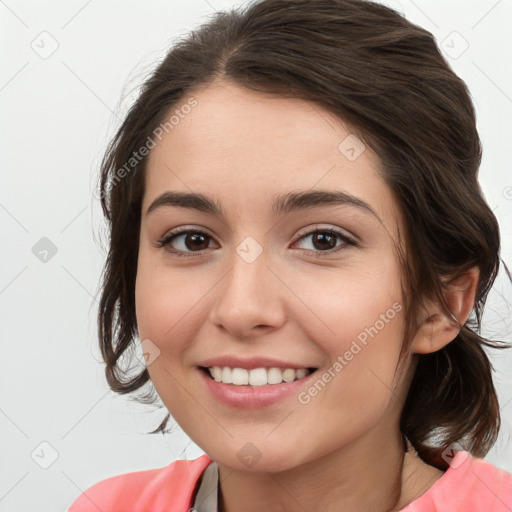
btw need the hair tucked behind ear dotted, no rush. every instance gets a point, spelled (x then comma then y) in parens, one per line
(386, 78)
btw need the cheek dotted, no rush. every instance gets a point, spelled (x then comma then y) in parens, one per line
(168, 316)
(167, 303)
(357, 317)
(346, 302)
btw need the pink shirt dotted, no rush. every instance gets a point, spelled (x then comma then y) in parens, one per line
(468, 485)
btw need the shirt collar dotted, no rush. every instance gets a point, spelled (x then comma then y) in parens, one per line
(207, 494)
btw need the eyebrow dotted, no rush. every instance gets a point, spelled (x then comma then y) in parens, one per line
(290, 202)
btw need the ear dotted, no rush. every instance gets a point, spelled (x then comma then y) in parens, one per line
(436, 329)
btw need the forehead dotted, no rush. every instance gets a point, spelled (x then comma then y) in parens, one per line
(240, 146)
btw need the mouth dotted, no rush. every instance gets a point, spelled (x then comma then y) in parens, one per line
(257, 376)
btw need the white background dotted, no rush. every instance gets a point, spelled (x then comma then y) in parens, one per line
(57, 115)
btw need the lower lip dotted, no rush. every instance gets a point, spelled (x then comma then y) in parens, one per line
(253, 397)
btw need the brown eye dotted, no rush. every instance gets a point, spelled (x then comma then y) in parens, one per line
(195, 241)
(326, 241)
(184, 242)
(323, 240)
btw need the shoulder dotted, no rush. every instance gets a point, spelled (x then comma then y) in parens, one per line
(168, 489)
(469, 484)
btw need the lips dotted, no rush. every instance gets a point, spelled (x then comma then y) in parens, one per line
(252, 363)
(253, 396)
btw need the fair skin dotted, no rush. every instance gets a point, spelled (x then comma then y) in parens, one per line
(298, 301)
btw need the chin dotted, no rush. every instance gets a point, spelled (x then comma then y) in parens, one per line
(257, 457)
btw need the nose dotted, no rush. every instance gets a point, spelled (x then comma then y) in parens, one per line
(249, 298)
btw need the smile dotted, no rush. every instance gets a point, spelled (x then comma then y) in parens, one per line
(256, 376)
(243, 388)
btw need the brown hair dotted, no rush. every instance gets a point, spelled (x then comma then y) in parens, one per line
(386, 78)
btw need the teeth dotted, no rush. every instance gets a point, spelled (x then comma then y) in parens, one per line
(257, 376)
(239, 376)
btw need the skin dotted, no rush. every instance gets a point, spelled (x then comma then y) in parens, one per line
(342, 450)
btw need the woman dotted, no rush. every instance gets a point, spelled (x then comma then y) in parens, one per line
(300, 243)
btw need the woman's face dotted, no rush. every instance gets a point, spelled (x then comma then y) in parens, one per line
(285, 270)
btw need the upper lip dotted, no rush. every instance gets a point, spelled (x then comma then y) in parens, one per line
(250, 363)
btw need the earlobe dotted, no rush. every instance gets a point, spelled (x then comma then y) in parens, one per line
(435, 328)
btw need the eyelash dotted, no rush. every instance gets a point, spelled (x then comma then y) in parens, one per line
(167, 239)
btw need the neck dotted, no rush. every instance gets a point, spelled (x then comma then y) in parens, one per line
(366, 475)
